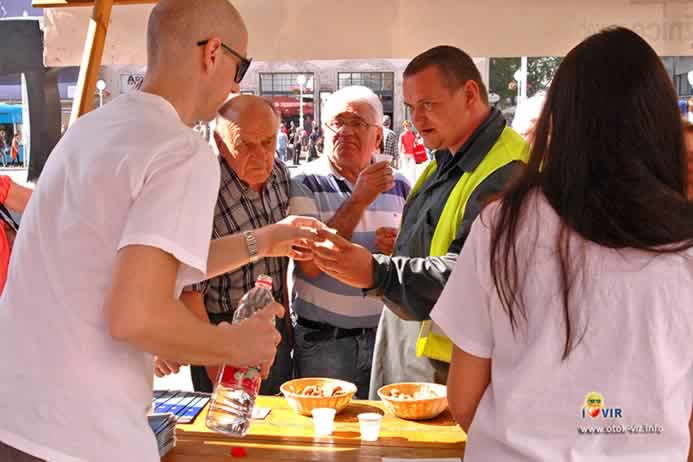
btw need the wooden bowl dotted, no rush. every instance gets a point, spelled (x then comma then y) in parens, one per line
(305, 404)
(415, 409)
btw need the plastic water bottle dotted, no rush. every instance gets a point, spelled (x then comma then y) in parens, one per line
(233, 400)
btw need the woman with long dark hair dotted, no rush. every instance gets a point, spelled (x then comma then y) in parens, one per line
(571, 306)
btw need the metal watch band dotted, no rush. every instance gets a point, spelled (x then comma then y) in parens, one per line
(251, 244)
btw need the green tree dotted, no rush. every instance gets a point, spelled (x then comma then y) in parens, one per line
(501, 71)
(540, 71)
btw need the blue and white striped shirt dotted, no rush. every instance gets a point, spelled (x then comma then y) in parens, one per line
(318, 191)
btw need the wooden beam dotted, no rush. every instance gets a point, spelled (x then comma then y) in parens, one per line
(91, 59)
(65, 3)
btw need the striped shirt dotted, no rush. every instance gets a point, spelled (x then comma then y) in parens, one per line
(241, 208)
(318, 191)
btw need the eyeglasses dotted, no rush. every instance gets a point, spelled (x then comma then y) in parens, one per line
(355, 123)
(243, 63)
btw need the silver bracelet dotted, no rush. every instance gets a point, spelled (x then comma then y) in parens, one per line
(251, 245)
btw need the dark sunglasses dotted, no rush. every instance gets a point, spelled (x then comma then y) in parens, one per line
(243, 63)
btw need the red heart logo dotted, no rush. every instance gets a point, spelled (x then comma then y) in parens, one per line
(594, 412)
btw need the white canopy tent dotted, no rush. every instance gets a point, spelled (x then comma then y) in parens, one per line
(330, 29)
(319, 29)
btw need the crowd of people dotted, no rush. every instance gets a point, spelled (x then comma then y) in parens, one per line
(10, 148)
(536, 276)
(294, 141)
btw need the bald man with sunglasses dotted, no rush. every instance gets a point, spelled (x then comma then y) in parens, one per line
(119, 223)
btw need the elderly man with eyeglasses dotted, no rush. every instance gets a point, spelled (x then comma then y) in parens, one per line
(363, 200)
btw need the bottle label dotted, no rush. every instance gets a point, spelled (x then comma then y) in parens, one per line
(246, 378)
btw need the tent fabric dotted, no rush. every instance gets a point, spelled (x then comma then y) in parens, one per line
(283, 30)
(10, 114)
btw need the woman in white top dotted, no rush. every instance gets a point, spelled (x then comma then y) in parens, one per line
(571, 306)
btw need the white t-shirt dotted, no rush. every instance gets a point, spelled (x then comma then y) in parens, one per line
(129, 173)
(636, 351)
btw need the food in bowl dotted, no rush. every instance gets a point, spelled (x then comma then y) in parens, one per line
(421, 393)
(322, 391)
(304, 395)
(414, 400)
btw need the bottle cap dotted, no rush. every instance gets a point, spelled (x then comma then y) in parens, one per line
(264, 281)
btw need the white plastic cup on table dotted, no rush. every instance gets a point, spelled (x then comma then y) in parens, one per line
(323, 421)
(369, 423)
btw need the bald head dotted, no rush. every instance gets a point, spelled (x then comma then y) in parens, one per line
(177, 25)
(246, 111)
(246, 135)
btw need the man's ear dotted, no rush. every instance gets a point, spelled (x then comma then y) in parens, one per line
(212, 51)
(472, 92)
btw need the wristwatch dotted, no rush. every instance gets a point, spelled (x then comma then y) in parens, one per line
(251, 245)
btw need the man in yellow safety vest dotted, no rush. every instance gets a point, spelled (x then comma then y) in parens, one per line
(476, 155)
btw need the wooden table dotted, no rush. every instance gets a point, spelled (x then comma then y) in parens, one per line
(287, 436)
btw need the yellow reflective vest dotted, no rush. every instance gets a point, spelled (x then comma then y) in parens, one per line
(509, 147)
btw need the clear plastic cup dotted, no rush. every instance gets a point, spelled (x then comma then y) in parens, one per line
(370, 425)
(323, 421)
(382, 157)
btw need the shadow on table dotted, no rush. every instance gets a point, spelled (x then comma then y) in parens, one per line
(351, 412)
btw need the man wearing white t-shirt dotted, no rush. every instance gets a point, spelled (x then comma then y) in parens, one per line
(118, 224)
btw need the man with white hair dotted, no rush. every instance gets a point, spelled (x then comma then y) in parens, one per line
(119, 223)
(335, 329)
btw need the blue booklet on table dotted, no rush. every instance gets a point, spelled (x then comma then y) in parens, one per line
(184, 405)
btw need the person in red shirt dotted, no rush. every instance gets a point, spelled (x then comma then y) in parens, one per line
(14, 198)
(407, 142)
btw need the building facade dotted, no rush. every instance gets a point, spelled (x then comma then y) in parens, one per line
(286, 83)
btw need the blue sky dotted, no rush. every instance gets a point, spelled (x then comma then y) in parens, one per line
(13, 8)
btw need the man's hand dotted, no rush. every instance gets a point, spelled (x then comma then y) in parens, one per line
(255, 339)
(291, 237)
(373, 181)
(162, 367)
(345, 261)
(385, 240)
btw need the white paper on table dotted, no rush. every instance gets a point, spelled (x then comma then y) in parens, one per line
(260, 413)
(397, 459)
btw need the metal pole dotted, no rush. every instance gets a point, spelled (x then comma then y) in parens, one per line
(523, 84)
(100, 98)
(300, 107)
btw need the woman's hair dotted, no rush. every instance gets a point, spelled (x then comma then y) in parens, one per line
(609, 157)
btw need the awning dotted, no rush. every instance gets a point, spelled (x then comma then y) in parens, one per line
(10, 114)
(282, 30)
(330, 29)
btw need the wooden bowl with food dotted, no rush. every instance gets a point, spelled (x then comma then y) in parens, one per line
(414, 400)
(304, 395)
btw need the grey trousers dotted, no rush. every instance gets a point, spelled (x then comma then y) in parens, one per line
(10, 454)
(347, 358)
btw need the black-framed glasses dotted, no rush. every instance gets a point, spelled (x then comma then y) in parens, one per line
(355, 123)
(243, 63)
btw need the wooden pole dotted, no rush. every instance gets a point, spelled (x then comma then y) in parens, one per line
(66, 3)
(91, 59)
